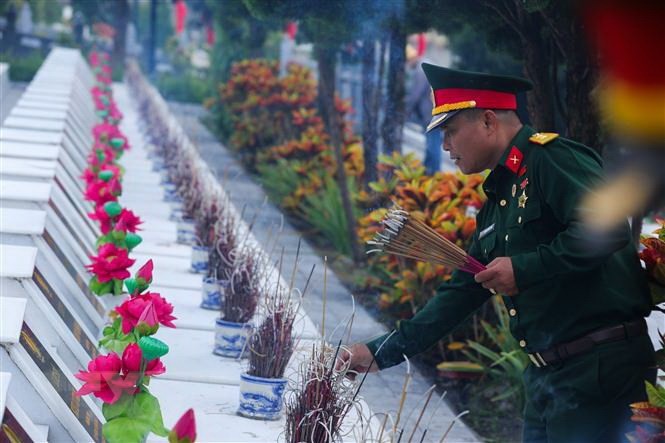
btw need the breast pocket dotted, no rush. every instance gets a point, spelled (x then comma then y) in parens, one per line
(487, 246)
(523, 229)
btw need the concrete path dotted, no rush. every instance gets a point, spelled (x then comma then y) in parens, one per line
(382, 390)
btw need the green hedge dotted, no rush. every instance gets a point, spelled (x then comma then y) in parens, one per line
(22, 69)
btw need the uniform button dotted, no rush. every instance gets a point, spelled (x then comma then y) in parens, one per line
(522, 344)
(512, 312)
(506, 237)
(519, 219)
(503, 202)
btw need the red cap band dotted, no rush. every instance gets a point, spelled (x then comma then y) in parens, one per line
(484, 98)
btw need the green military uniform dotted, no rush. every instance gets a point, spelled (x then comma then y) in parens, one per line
(565, 291)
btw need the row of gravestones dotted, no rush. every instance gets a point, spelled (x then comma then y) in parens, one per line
(49, 319)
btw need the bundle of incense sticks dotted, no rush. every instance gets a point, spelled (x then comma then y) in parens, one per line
(408, 237)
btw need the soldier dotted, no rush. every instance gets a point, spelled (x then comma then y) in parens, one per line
(577, 311)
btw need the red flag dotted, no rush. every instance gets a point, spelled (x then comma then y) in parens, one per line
(291, 29)
(422, 44)
(180, 16)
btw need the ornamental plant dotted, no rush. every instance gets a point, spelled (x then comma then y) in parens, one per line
(653, 256)
(649, 416)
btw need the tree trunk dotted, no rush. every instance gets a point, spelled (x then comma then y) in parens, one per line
(581, 79)
(325, 58)
(370, 112)
(393, 121)
(119, 40)
(540, 100)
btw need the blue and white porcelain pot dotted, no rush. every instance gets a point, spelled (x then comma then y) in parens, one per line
(211, 296)
(200, 259)
(261, 398)
(177, 214)
(231, 338)
(172, 196)
(185, 231)
(158, 165)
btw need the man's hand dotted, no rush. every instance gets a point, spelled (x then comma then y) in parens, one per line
(357, 358)
(498, 277)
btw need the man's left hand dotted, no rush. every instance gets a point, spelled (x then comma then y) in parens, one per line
(498, 277)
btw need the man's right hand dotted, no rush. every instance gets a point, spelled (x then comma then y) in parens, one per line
(356, 358)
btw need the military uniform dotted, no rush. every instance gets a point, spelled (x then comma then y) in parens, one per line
(566, 291)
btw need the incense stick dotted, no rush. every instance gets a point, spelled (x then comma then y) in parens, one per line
(408, 237)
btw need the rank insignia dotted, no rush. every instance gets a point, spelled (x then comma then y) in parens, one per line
(514, 159)
(543, 138)
(521, 201)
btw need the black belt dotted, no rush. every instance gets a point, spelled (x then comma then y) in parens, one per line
(564, 351)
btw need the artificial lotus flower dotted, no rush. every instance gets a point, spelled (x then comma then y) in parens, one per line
(100, 192)
(131, 362)
(104, 379)
(116, 115)
(110, 263)
(146, 311)
(127, 221)
(184, 430)
(144, 274)
(103, 132)
(102, 217)
(100, 156)
(94, 59)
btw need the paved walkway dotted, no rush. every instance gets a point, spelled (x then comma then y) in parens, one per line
(381, 390)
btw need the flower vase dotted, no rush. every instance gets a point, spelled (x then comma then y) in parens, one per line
(200, 259)
(230, 338)
(261, 398)
(185, 231)
(211, 294)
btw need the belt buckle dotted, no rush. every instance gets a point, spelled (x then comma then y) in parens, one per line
(537, 360)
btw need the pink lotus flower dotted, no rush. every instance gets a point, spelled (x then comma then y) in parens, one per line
(94, 58)
(100, 192)
(185, 429)
(104, 379)
(146, 310)
(88, 176)
(127, 222)
(145, 272)
(101, 217)
(131, 362)
(111, 262)
(103, 132)
(101, 156)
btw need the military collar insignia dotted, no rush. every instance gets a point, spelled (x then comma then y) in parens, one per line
(543, 138)
(514, 159)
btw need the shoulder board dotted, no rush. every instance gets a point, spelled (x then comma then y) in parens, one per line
(543, 138)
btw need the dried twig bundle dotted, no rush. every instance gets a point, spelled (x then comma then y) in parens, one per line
(406, 236)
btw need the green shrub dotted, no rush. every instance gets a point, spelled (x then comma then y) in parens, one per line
(22, 68)
(183, 88)
(324, 211)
